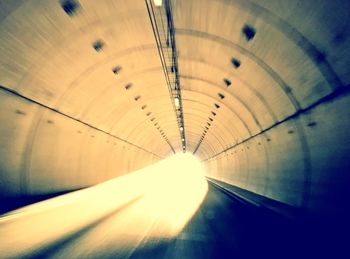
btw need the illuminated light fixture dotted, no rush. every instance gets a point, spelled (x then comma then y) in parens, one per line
(177, 101)
(183, 139)
(157, 2)
(181, 128)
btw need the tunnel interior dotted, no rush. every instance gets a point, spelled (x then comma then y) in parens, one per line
(257, 90)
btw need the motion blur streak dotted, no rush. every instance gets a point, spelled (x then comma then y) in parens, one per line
(156, 201)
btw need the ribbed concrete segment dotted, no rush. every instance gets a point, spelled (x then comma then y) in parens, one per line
(258, 90)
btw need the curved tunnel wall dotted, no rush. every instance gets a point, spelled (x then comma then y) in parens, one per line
(47, 152)
(302, 162)
(264, 92)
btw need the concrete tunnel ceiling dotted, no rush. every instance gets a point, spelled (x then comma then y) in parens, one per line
(91, 90)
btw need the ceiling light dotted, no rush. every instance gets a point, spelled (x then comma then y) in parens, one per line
(177, 101)
(157, 2)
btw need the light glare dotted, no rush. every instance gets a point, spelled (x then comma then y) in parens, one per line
(165, 195)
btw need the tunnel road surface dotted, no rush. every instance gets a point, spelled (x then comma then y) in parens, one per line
(223, 227)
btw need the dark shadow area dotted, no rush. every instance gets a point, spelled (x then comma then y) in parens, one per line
(225, 227)
(8, 204)
(322, 234)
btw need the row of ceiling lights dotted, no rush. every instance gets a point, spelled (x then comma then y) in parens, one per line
(208, 125)
(236, 63)
(98, 45)
(163, 27)
(127, 87)
(177, 106)
(249, 33)
(71, 7)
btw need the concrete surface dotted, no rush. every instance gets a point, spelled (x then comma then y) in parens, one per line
(281, 131)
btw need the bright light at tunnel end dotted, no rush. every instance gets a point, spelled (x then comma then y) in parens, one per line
(180, 189)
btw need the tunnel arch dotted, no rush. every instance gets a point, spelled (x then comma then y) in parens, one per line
(80, 87)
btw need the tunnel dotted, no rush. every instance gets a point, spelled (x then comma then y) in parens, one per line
(256, 90)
